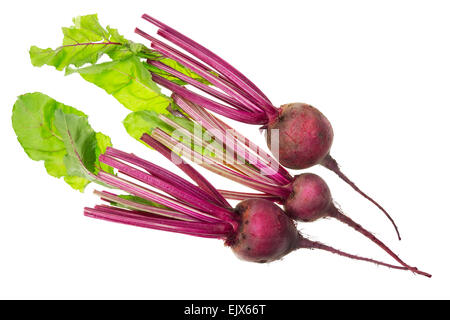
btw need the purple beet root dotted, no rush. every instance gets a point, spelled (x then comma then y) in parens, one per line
(265, 234)
(305, 135)
(310, 198)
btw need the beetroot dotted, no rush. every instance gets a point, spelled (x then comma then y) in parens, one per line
(310, 198)
(305, 135)
(265, 233)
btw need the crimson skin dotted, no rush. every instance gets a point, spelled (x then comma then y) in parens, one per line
(265, 233)
(305, 135)
(310, 198)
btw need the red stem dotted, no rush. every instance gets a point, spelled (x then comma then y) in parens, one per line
(244, 196)
(238, 145)
(186, 168)
(154, 211)
(179, 53)
(213, 60)
(205, 72)
(128, 217)
(221, 169)
(205, 88)
(243, 102)
(238, 115)
(266, 157)
(151, 195)
(161, 173)
(183, 195)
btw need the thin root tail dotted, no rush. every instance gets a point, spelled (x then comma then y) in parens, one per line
(308, 244)
(337, 214)
(332, 165)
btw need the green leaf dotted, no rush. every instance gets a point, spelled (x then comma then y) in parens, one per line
(126, 77)
(77, 183)
(60, 136)
(84, 42)
(140, 122)
(129, 82)
(165, 75)
(178, 67)
(80, 143)
(103, 142)
(87, 41)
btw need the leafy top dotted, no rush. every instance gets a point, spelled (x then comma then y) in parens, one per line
(126, 75)
(60, 136)
(84, 42)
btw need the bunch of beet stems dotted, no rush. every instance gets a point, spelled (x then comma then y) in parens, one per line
(186, 208)
(242, 162)
(241, 99)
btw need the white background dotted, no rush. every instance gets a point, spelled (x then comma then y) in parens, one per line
(379, 70)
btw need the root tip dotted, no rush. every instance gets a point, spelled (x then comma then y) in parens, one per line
(330, 163)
